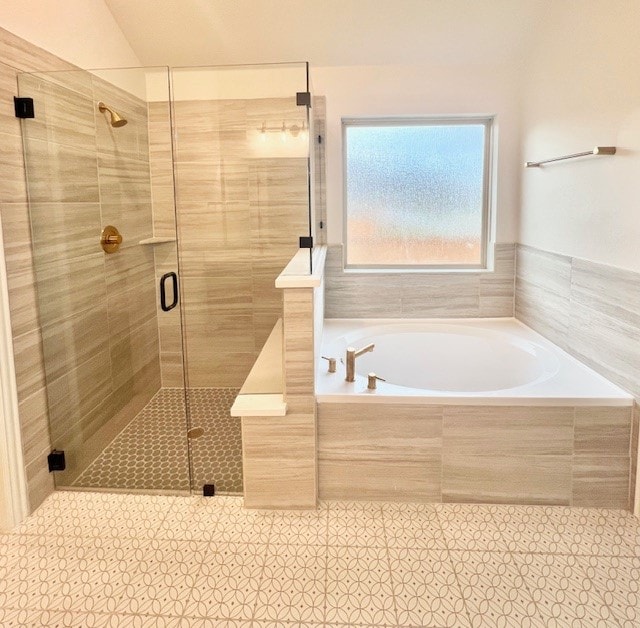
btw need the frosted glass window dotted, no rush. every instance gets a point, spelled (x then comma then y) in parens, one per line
(416, 193)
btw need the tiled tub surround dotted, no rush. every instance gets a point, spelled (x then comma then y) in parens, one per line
(561, 435)
(590, 310)
(241, 210)
(97, 311)
(573, 456)
(358, 294)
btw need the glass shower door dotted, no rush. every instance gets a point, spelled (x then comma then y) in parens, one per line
(105, 269)
(242, 190)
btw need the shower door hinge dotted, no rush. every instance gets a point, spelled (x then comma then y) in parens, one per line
(23, 107)
(303, 99)
(208, 490)
(306, 242)
(56, 461)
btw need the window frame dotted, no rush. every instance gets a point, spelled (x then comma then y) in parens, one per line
(487, 193)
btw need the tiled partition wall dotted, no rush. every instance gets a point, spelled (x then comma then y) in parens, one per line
(18, 55)
(420, 295)
(240, 213)
(97, 310)
(590, 310)
(574, 456)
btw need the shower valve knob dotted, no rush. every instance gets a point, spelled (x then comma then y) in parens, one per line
(110, 240)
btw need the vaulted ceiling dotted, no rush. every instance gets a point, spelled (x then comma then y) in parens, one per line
(328, 32)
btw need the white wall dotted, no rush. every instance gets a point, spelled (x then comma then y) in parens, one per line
(582, 89)
(82, 32)
(418, 90)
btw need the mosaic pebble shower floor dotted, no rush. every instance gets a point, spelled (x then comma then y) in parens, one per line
(151, 452)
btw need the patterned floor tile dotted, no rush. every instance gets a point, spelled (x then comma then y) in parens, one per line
(153, 451)
(426, 589)
(228, 584)
(562, 591)
(493, 590)
(355, 524)
(618, 581)
(97, 559)
(592, 532)
(99, 514)
(206, 622)
(304, 527)
(293, 586)
(412, 525)
(470, 526)
(359, 587)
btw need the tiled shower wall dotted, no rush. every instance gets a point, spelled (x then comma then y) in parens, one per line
(77, 377)
(17, 55)
(97, 311)
(240, 213)
(590, 310)
(420, 295)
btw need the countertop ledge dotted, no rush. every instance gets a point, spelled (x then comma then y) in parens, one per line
(259, 405)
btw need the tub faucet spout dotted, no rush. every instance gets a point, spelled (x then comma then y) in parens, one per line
(352, 354)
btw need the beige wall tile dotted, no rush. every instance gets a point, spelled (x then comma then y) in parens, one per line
(73, 395)
(602, 431)
(8, 88)
(224, 181)
(279, 462)
(71, 341)
(135, 351)
(62, 231)
(34, 425)
(123, 180)
(601, 482)
(16, 236)
(70, 287)
(172, 371)
(507, 430)
(12, 184)
(23, 55)
(298, 341)
(503, 479)
(62, 115)
(29, 363)
(60, 173)
(40, 482)
(379, 431)
(388, 480)
(23, 302)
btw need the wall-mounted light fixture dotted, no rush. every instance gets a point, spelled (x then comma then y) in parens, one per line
(294, 130)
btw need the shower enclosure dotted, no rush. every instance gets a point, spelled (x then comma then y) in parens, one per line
(163, 204)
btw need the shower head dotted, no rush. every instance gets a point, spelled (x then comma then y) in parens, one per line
(116, 119)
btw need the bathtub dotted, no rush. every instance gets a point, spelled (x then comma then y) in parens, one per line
(473, 410)
(458, 361)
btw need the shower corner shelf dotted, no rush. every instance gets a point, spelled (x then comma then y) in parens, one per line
(157, 240)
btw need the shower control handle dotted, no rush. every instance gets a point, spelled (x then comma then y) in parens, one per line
(110, 239)
(332, 364)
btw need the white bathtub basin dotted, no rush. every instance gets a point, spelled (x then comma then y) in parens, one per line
(458, 361)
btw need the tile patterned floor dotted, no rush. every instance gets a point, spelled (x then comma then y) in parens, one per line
(152, 452)
(98, 559)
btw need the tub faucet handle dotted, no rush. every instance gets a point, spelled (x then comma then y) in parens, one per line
(373, 380)
(332, 364)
